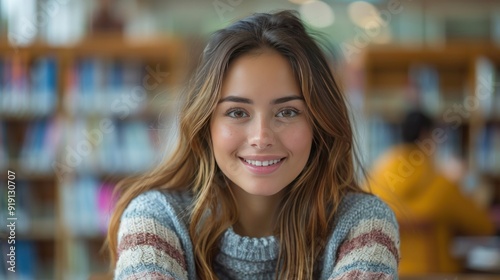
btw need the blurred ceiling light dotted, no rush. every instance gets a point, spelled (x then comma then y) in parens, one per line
(317, 13)
(362, 12)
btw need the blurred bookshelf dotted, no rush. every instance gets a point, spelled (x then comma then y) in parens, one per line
(74, 120)
(86, 106)
(458, 85)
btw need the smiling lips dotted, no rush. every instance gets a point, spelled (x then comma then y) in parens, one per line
(262, 167)
(262, 163)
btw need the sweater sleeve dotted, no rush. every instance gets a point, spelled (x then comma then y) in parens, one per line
(148, 245)
(371, 248)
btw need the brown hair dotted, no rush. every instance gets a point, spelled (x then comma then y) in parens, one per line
(307, 210)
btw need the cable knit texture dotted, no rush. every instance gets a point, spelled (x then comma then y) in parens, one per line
(154, 243)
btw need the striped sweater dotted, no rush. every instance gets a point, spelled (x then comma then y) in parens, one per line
(154, 243)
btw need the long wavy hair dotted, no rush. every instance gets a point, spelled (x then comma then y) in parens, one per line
(307, 210)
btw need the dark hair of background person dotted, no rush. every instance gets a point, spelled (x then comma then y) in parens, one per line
(414, 124)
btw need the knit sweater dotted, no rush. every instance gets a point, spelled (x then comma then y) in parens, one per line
(154, 243)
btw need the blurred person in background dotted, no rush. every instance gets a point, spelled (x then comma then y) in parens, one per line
(430, 208)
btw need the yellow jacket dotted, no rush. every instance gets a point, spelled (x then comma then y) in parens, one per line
(430, 209)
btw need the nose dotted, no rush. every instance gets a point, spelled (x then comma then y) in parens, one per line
(261, 135)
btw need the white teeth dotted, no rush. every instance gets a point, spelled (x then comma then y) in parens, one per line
(262, 163)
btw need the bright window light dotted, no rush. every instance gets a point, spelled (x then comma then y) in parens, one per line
(362, 12)
(317, 13)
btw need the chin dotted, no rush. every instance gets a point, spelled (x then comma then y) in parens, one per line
(260, 190)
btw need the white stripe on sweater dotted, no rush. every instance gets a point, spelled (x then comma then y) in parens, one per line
(374, 253)
(365, 226)
(147, 225)
(143, 255)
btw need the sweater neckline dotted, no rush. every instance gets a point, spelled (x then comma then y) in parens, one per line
(249, 248)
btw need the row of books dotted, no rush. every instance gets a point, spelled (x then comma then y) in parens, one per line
(86, 206)
(93, 86)
(111, 146)
(85, 145)
(109, 87)
(28, 90)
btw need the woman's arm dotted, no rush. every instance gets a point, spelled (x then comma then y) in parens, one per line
(148, 247)
(463, 213)
(371, 249)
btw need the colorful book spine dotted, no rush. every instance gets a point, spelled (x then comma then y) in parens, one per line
(40, 147)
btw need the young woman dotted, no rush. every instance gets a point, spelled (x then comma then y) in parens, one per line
(262, 183)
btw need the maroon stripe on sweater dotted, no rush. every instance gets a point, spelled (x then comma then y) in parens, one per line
(149, 275)
(363, 275)
(145, 239)
(368, 238)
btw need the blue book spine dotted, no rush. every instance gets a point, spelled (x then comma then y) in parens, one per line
(51, 83)
(26, 260)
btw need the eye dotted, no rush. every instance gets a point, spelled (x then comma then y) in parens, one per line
(287, 113)
(236, 113)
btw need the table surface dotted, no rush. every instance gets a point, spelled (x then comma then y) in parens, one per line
(422, 277)
(453, 277)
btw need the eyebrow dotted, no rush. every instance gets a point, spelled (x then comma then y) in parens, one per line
(249, 101)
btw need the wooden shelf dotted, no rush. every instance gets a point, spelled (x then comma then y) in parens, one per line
(23, 117)
(39, 177)
(109, 46)
(36, 236)
(32, 235)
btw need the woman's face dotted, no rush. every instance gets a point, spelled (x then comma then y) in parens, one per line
(260, 135)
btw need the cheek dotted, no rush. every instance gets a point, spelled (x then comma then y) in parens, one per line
(298, 140)
(224, 137)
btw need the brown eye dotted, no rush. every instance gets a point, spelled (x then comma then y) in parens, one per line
(236, 114)
(287, 113)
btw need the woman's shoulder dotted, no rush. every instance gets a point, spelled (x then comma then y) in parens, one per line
(154, 237)
(356, 207)
(160, 204)
(364, 240)
(365, 217)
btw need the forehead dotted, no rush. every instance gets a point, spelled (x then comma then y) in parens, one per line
(261, 74)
